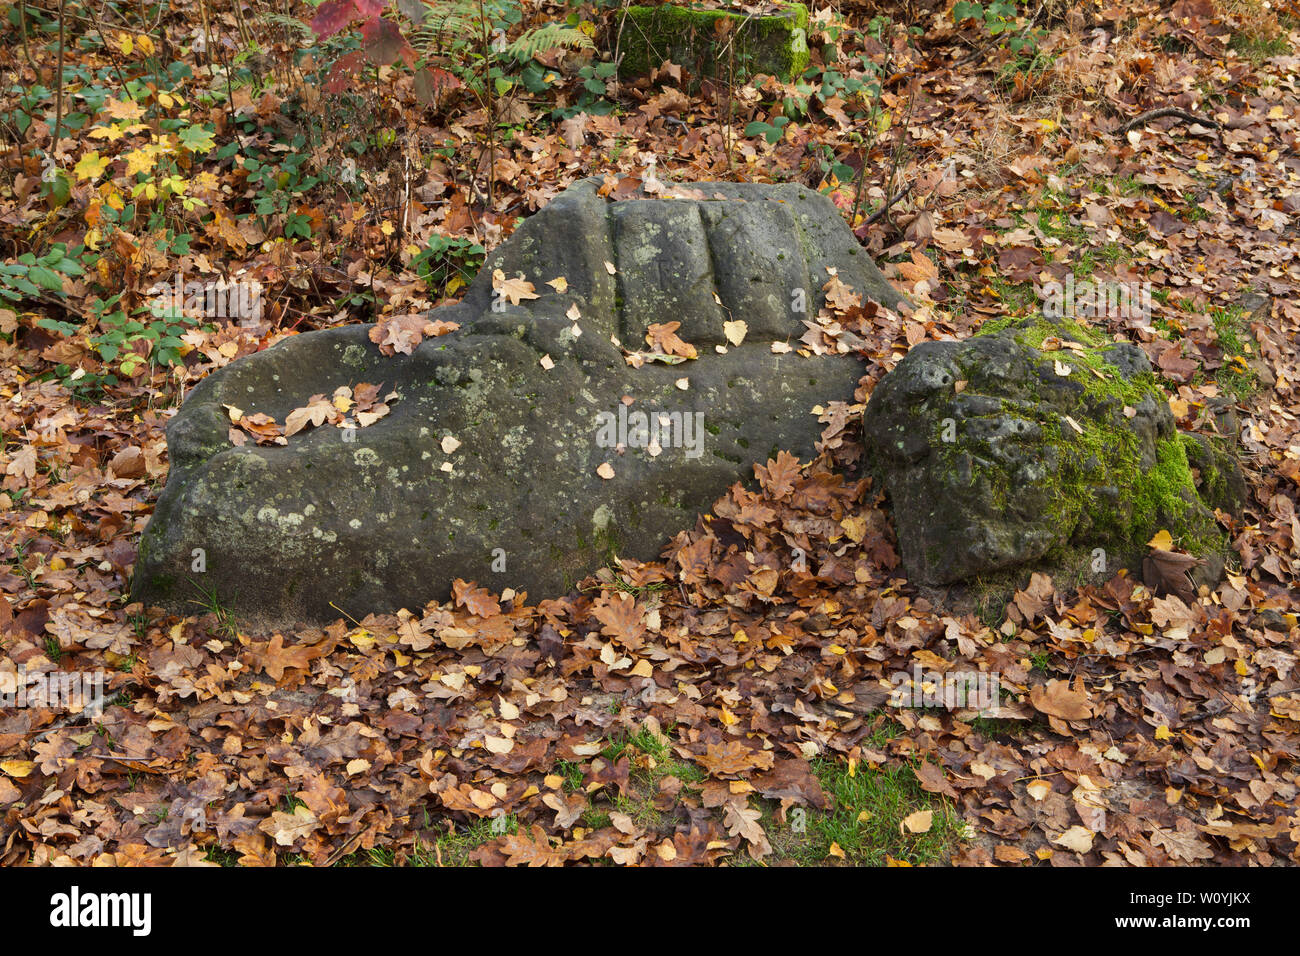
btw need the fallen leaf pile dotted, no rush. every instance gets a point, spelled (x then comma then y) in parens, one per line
(348, 407)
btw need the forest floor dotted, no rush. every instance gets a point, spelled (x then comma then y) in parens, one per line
(706, 708)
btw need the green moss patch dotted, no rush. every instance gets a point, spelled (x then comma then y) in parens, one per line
(1036, 443)
(1099, 453)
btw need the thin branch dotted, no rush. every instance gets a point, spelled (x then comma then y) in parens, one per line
(58, 96)
(889, 202)
(1164, 111)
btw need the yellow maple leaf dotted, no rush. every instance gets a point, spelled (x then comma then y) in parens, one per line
(140, 161)
(205, 182)
(110, 133)
(127, 109)
(1163, 541)
(91, 166)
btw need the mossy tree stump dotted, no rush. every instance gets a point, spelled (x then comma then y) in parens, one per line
(715, 42)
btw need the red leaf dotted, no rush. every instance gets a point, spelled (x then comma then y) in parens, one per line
(344, 69)
(432, 80)
(384, 42)
(332, 17)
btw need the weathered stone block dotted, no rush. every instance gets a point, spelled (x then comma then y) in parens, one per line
(291, 533)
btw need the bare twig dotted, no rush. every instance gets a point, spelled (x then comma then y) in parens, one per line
(873, 122)
(58, 95)
(896, 156)
(27, 50)
(973, 56)
(1164, 111)
(889, 202)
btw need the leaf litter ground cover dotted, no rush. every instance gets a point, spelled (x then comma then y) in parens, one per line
(730, 703)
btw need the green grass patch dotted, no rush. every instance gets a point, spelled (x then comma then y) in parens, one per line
(1235, 376)
(995, 727)
(1258, 48)
(1129, 186)
(1018, 298)
(867, 810)
(865, 821)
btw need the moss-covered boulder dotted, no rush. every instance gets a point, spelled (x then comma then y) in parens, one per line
(1038, 442)
(518, 451)
(715, 42)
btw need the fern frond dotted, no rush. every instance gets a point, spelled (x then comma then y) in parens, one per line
(292, 24)
(457, 20)
(548, 37)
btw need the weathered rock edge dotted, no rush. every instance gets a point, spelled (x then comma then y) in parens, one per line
(298, 533)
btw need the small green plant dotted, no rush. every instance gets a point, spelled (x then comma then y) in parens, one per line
(30, 277)
(280, 184)
(572, 773)
(226, 625)
(19, 560)
(447, 263)
(150, 336)
(852, 83)
(999, 18)
(592, 97)
(470, 39)
(772, 131)
(1234, 376)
